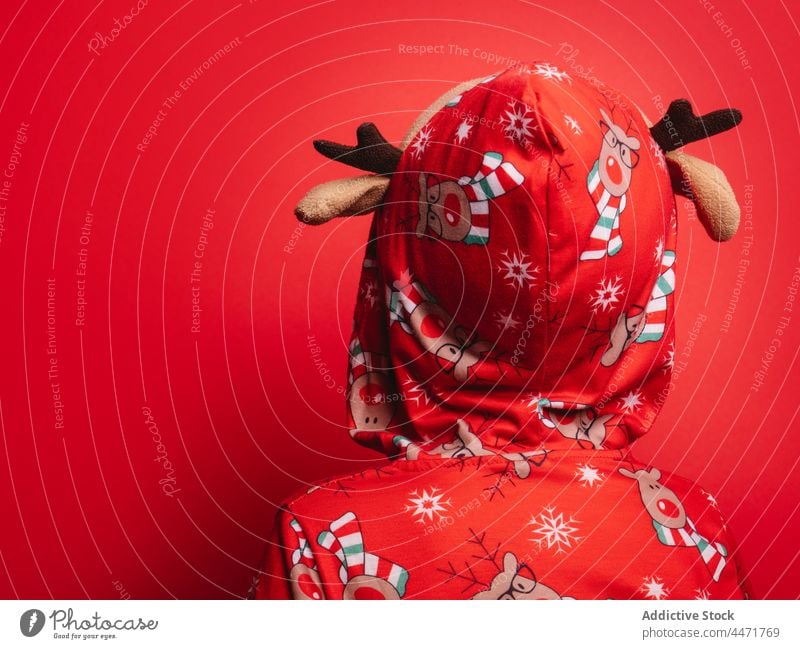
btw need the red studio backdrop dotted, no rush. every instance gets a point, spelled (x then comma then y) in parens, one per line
(175, 344)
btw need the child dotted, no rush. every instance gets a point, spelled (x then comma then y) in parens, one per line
(513, 336)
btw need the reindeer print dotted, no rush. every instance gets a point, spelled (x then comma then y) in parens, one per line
(459, 353)
(643, 325)
(370, 395)
(467, 444)
(516, 581)
(607, 182)
(304, 579)
(459, 210)
(364, 575)
(672, 526)
(579, 421)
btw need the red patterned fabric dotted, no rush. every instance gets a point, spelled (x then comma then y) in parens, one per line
(527, 241)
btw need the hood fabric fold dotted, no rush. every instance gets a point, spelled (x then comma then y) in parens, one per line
(518, 285)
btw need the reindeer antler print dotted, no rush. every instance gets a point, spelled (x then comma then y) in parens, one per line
(680, 125)
(372, 153)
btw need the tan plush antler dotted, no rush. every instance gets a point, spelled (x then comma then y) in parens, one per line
(362, 194)
(707, 187)
(344, 197)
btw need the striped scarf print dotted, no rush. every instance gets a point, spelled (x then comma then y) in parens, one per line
(713, 554)
(362, 361)
(494, 179)
(605, 238)
(403, 297)
(656, 310)
(302, 553)
(343, 537)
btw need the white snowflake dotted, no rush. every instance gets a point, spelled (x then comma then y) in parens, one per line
(506, 320)
(421, 142)
(551, 72)
(573, 124)
(416, 392)
(701, 593)
(655, 588)
(658, 253)
(554, 530)
(369, 292)
(532, 400)
(669, 357)
(517, 269)
(427, 505)
(517, 122)
(658, 154)
(607, 294)
(462, 132)
(710, 498)
(588, 475)
(631, 401)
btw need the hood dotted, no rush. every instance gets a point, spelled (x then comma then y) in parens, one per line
(518, 287)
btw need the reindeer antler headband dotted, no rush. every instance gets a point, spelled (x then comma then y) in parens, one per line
(697, 180)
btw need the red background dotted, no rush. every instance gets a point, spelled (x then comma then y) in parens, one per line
(245, 414)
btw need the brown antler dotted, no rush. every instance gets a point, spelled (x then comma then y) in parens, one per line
(680, 125)
(372, 153)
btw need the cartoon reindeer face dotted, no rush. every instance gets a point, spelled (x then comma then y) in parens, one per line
(369, 587)
(440, 335)
(370, 405)
(584, 426)
(618, 156)
(516, 581)
(660, 502)
(443, 209)
(629, 326)
(304, 582)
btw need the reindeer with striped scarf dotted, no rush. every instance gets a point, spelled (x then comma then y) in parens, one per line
(363, 574)
(643, 325)
(303, 578)
(459, 210)
(671, 524)
(607, 182)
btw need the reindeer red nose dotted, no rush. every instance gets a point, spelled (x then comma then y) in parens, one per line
(372, 393)
(668, 508)
(452, 209)
(613, 169)
(432, 326)
(308, 587)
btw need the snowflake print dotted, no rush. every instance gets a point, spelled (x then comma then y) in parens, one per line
(506, 320)
(658, 154)
(588, 475)
(517, 122)
(607, 294)
(631, 401)
(422, 141)
(573, 124)
(658, 253)
(369, 293)
(462, 132)
(424, 505)
(710, 498)
(532, 400)
(655, 588)
(551, 72)
(554, 530)
(416, 392)
(701, 593)
(669, 358)
(517, 269)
